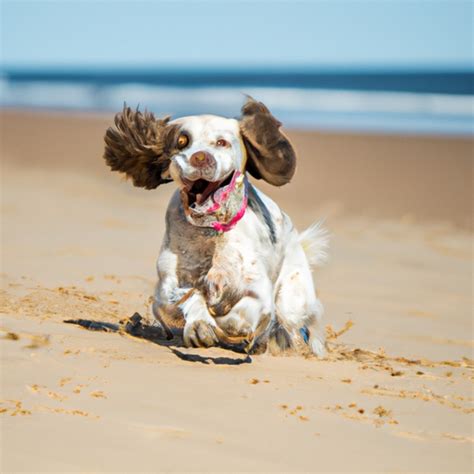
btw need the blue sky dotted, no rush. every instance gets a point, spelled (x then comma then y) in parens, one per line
(392, 33)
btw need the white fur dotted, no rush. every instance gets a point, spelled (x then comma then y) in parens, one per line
(315, 243)
(206, 130)
(274, 277)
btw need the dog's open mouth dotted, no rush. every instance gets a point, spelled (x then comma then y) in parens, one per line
(216, 204)
(199, 191)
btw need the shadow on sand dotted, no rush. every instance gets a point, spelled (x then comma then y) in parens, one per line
(134, 326)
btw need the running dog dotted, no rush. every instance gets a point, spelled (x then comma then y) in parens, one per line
(232, 268)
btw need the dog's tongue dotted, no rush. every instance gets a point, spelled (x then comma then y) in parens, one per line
(208, 190)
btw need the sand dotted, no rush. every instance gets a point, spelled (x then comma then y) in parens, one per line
(394, 394)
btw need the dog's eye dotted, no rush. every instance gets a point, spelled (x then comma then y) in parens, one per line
(222, 142)
(183, 141)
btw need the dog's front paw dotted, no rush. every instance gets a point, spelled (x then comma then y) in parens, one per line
(221, 293)
(234, 325)
(199, 333)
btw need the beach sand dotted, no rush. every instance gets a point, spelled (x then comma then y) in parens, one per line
(395, 393)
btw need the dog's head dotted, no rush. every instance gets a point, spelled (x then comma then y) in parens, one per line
(200, 153)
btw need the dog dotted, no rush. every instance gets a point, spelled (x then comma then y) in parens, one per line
(232, 269)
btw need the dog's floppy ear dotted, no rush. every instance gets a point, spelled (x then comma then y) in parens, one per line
(270, 155)
(141, 146)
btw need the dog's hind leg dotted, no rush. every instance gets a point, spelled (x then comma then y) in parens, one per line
(298, 310)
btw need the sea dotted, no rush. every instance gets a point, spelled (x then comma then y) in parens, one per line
(434, 102)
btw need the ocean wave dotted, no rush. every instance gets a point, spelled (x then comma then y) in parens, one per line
(309, 108)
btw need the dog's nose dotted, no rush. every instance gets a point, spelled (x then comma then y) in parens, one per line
(201, 159)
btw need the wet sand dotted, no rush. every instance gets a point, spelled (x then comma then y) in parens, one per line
(395, 393)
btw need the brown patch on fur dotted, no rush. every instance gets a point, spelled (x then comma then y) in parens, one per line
(141, 146)
(194, 246)
(220, 292)
(224, 305)
(270, 154)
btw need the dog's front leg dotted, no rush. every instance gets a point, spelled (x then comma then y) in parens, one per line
(187, 304)
(198, 323)
(177, 304)
(199, 327)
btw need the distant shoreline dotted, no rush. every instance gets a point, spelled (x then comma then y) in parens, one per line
(401, 101)
(454, 81)
(304, 108)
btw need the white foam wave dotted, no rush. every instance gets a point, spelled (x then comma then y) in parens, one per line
(395, 111)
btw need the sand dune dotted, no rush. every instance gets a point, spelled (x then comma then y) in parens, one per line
(394, 394)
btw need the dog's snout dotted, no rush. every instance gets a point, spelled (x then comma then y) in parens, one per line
(202, 159)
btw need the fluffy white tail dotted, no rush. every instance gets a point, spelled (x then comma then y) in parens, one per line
(315, 243)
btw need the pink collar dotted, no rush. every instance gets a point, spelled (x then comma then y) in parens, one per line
(225, 227)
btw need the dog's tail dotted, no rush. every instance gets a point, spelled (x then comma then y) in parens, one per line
(315, 243)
